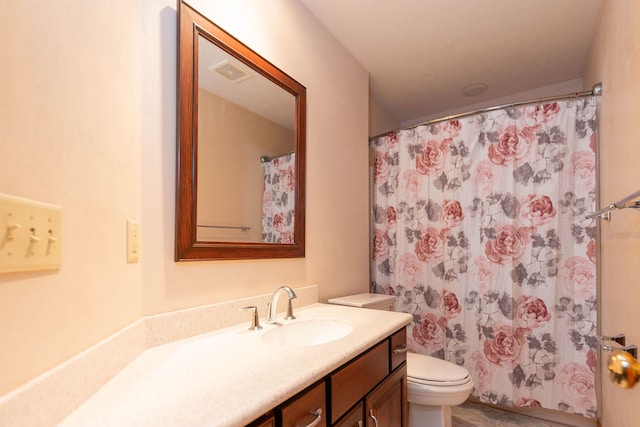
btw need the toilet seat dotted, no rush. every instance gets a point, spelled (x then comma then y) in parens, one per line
(428, 370)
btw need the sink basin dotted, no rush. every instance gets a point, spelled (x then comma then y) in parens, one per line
(307, 332)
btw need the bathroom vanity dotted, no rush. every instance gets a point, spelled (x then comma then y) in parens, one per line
(371, 389)
(348, 362)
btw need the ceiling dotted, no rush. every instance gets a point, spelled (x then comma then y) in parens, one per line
(421, 53)
(252, 90)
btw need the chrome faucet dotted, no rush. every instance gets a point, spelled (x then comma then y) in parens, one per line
(272, 307)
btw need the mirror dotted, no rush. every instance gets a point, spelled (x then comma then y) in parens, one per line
(241, 149)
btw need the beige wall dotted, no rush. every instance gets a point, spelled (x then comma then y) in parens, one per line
(87, 121)
(381, 121)
(615, 61)
(70, 135)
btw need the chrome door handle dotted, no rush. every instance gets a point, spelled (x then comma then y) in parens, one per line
(401, 349)
(373, 417)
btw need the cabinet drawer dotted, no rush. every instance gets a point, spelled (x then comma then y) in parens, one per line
(398, 348)
(301, 410)
(266, 421)
(352, 382)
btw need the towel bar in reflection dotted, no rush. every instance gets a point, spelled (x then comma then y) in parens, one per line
(230, 227)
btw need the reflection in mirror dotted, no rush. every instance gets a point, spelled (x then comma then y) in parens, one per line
(245, 132)
(241, 149)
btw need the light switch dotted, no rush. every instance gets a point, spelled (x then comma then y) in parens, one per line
(30, 235)
(133, 241)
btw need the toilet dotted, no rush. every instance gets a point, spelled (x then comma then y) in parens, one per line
(433, 385)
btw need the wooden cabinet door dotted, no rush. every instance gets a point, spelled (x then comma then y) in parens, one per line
(354, 418)
(386, 406)
(353, 381)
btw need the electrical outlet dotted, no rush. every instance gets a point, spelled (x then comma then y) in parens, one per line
(30, 235)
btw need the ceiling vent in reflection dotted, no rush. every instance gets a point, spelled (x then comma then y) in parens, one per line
(230, 72)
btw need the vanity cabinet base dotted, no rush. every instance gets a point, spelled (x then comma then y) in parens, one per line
(368, 391)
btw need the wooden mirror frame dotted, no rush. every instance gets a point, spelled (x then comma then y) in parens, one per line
(192, 24)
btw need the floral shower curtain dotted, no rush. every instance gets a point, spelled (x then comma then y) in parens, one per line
(480, 232)
(278, 200)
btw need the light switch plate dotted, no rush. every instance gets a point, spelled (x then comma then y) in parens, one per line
(133, 241)
(30, 235)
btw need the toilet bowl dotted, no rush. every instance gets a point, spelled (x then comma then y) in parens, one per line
(433, 385)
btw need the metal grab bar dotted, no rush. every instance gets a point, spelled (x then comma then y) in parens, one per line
(620, 340)
(605, 213)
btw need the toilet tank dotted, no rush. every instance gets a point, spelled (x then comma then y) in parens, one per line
(373, 301)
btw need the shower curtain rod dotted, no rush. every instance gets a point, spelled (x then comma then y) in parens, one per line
(264, 159)
(596, 90)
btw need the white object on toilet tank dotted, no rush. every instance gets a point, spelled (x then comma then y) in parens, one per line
(367, 300)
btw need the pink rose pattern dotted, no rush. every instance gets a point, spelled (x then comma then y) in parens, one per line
(410, 269)
(483, 273)
(429, 247)
(508, 246)
(583, 169)
(504, 347)
(536, 210)
(278, 201)
(452, 214)
(479, 232)
(429, 332)
(485, 178)
(433, 157)
(513, 145)
(482, 372)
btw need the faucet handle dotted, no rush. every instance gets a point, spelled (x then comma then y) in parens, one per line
(255, 322)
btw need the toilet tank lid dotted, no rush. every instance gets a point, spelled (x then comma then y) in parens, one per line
(363, 300)
(427, 368)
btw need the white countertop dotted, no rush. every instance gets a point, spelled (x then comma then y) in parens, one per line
(228, 377)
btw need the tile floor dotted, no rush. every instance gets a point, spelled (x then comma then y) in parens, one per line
(471, 414)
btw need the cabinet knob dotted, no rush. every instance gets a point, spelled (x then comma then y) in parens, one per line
(316, 417)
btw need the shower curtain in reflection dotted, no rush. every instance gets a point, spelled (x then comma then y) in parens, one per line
(480, 232)
(278, 199)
